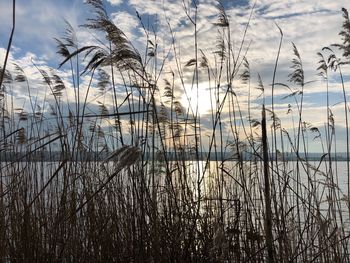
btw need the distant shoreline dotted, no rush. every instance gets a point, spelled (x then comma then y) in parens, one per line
(44, 156)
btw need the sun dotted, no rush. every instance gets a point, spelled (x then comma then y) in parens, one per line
(190, 100)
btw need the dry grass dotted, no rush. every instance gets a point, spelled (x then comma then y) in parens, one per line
(156, 198)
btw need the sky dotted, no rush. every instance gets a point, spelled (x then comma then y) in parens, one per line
(309, 24)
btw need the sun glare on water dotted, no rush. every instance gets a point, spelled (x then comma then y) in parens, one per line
(191, 100)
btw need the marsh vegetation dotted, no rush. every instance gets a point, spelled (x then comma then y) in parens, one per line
(155, 198)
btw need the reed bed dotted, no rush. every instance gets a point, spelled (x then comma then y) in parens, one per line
(144, 181)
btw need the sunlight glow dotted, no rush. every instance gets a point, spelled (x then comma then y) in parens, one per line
(192, 100)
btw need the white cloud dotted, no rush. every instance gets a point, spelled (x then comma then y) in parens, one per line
(310, 24)
(115, 2)
(38, 23)
(127, 23)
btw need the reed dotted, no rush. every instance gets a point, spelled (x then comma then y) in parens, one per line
(133, 180)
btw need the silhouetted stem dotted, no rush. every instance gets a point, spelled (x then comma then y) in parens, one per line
(268, 216)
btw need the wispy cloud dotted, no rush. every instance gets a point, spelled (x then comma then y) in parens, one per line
(38, 23)
(311, 25)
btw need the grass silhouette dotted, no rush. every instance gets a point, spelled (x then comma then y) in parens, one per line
(155, 198)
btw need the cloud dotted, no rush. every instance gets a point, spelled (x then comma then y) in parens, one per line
(310, 24)
(127, 23)
(115, 2)
(38, 23)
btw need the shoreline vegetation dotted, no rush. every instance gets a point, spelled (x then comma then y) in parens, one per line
(89, 156)
(149, 204)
